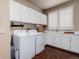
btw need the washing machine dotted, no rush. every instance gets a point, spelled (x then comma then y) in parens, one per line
(25, 43)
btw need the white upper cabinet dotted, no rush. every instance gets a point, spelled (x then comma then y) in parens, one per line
(53, 20)
(43, 19)
(22, 13)
(29, 15)
(14, 13)
(26, 15)
(66, 18)
(61, 19)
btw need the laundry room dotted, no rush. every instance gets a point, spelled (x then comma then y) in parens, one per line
(39, 29)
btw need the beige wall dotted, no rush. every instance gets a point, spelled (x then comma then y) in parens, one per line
(4, 22)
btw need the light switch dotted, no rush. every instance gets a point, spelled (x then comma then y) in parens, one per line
(2, 30)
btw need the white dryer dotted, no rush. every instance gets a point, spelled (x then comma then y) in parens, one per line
(25, 43)
(40, 42)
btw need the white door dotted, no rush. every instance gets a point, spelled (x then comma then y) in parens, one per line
(40, 39)
(58, 41)
(14, 11)
(50, 39)
(66, 43)
(37, 17)
(45, 39)
(26, 14)
(75, 44)
(66, 18)
(42, 19)
(29, 15)
(39, 49)
(53, 20)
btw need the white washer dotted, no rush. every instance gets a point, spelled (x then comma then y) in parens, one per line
(25, 43)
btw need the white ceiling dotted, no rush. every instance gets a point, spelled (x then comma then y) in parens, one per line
(45, 4)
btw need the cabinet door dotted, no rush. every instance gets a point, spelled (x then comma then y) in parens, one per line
(66, 43)
(66, 18)
(14, 11)
(58, 41)
(40, 39)
(42, 19)
(75, 44)
(53, 20)
(45, 39)
(29, 15)
(50, 39)
(26, 15)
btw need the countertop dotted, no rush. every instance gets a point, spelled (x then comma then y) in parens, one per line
(61, 33)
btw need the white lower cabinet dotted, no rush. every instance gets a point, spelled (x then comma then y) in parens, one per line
(45, 39)
(62, 42)
(58, 42)
(39, 49)
(39, 39)
(75, 44)
(50, 39)
(66, 43)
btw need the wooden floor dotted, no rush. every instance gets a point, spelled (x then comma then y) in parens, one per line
(53, 53)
